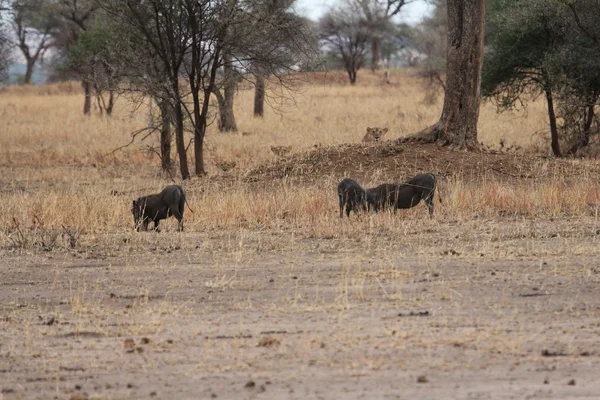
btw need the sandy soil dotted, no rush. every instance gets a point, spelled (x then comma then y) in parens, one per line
(486, 309)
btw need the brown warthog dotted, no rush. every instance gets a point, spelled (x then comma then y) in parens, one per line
(404, 195)
(154, 207)
(352, 196)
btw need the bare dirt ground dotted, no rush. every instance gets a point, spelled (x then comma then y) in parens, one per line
(506, 309)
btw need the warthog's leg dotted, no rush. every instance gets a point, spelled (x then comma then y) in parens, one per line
(429, 202)
(156, 222)
(145, 224)
(179, 215)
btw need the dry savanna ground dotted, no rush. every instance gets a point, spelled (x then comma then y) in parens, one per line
(268, 293)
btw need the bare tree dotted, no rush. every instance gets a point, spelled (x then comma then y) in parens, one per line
(347, 33)
(34, 22)
(457, 125)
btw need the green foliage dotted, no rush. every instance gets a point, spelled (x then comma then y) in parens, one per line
(526, 34)
(545, 45)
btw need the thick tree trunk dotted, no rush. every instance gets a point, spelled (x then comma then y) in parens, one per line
(375, 53)
(87, 102)
(458, 124)
(259, 96)
(165, 135)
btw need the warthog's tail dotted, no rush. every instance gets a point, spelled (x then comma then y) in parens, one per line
(185, 199)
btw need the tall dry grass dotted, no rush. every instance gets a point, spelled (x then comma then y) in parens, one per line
(56, 173)
(44, 126)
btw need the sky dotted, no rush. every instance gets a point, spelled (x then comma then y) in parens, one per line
(410, 13)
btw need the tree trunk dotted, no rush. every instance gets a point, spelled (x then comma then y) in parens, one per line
(259, 96)
(111, 102)
(551, 115)
(585, 138)
(352, 75)
(458, 123)
(165, 135)
(87, 103)
(179, 139)
(375, 53)
(227, 118)
(30, 63)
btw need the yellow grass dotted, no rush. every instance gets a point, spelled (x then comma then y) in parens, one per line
(44, 126)
(57, 171)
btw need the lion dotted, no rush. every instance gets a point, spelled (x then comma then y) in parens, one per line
(374, 135)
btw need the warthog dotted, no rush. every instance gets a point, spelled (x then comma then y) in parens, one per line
(154, 207)
(352, 196)
(404, 195)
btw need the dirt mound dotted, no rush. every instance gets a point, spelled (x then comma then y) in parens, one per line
(392, 162)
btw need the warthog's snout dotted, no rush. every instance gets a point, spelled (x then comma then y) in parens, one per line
(352, 196)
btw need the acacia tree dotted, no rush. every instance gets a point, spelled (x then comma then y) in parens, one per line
(547, 47)
(579, 61)
(457, 125)
(291, 47)
(518, 55)
(76, 16)
(346, 33)
(188, 41)
(34, 23)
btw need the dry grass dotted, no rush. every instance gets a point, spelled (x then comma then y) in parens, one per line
(43, 126)
(57, 180)
(268, 294)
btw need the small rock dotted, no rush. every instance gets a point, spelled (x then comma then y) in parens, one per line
(268, 341)
(571, 382)
(250, 385)
(129, 345)
(422, 379)
(145, 340)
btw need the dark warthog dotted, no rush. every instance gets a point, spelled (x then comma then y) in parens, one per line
(352, 196)
(154, 207)
(404, 195)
